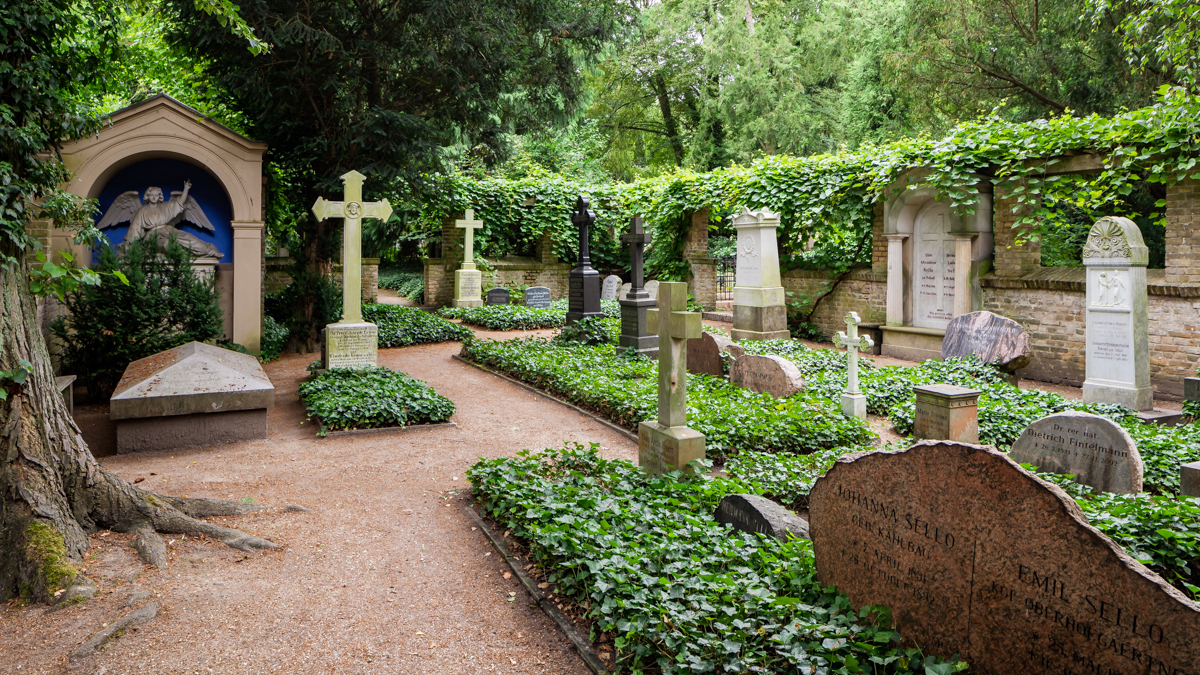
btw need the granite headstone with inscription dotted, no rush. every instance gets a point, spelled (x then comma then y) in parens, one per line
(1094, 449)
(608, 291)
(751, 513)
(498, 296)
(991, 337)
(770, 374)
(704, 354)
(978, 557)
(537, 297)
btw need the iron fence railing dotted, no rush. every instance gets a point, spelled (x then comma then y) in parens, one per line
(726, 269)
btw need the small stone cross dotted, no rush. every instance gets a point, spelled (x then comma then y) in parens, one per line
(352, 209)
(852, 343)
(636, 239)
(675, 327)
(469, 224)
(583, 217)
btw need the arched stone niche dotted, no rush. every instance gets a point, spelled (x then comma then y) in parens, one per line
(163, 129)
(926, 285)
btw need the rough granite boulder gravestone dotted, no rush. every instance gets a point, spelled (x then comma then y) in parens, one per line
(608, 291)
(498, 296)
(978, 557)
(991, 337)
(771, 374)
(537, 297)
(704, 354)
(751, 513)
(194, 394)
(1096, 450)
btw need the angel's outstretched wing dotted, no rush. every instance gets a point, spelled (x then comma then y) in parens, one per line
(191, 213)
(121, 210)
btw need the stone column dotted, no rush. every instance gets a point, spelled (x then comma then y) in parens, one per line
(247, 284)
(962, 272)
(895, 279)
(758, 298)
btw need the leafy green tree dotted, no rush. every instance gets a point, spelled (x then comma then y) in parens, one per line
(385, 88)
(1161, 37)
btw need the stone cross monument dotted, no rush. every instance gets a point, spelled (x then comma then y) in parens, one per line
(635, 331)
(468, 280)
(1118, 348)
(758, 309)
(583, 292)
(854, 403)
(667, 444)
(351, 342)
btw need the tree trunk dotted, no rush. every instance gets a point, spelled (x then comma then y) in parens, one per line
(54, 491)
(672, 128)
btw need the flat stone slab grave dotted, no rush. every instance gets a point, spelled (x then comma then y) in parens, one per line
(978, 557)
(1094, 449)
(194, 394)
(991, 337)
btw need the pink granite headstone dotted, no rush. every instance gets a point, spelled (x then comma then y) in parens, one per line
(771, 374)
(991, 337)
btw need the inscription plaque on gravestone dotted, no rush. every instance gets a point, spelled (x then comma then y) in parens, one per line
(769, 374)
(978, 557)
(351, 345)
(751, 513)
(538, 297)
(991, 337)
(498, 296)
(609, 290)
(1096, 450)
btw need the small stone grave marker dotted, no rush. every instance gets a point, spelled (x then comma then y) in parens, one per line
(537, 297)
(991, 337)
(1191, 388)
(978, 557)
(499, 296)
(945, 412)
(623, 291)
(1096, 450)
(774, 375)
(751, 513)
(652, 288)
(609, 290)
(704, 354)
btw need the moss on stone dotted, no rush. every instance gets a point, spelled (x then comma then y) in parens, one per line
(46, 552)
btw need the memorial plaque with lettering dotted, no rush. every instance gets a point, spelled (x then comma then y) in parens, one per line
(351, 345)
(1096, 450)
(991, 337)
(978, 557)
(537, 297)
(498, 296)
(771, 374)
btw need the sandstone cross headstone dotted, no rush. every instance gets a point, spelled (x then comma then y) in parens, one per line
(468, 281)
(667, 444)
(193, 394)
(758, 296)
(751, 513)
(854, 402)
(537, 297)
(945, 412)
(991, 337)
(608, 290)
(499, 296)
(773, 375)
(351, 342)
(652, 288)
(1118, 348)
(1096, 450)
(636, 330)
(583, 283)
(704, 354)
(978, 557)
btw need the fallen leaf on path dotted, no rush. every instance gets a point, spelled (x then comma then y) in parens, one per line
(543, 585)
(508, 575)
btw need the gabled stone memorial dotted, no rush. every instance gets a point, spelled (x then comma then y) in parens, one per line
(194, 394)
(1094, 449)
(978, 557)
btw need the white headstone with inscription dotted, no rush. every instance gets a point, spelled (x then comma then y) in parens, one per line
(608, 291)
(468, 281)
(1118, 349)
(758, 308)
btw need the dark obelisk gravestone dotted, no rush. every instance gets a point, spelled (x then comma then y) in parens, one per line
(634, 331)
(583, 292)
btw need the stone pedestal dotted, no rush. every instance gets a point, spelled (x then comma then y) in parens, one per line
(758, 296)
(854, 405)
(635, 331)
(662, 448)
(1189, 480)
(1118, 347)
(467, 284)
(350, 345)
(945, 412)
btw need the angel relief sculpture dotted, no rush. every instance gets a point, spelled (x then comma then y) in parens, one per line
(157, 219)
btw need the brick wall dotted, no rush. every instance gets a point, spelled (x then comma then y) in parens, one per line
(879, 244)
(528, 272)
(1011, 259)
(1183, 232)
(702, 283)
(862, 291)
(278, 274)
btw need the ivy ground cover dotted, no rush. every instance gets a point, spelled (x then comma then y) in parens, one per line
(519, 317)
(679, 592)
(370, 398)
(403, 326)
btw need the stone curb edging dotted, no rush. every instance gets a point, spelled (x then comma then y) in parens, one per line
(585, 650)
(619, 429)
(380, 430)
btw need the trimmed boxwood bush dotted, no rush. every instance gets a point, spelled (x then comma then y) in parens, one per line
(368, 398)
(403, 326)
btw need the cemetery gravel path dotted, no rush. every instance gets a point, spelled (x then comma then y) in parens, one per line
(385, 574)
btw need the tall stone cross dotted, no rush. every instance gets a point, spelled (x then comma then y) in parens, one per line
(854, 403)
(352, 210)
(469, 224)
(667, 444)
(636, 239)
(583, 283)
(468, 281)
(636, 331)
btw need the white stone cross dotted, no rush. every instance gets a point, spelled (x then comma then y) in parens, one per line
(352, 209)
(469, 224)
(854, 403)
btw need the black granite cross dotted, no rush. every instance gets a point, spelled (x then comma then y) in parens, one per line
(583, 292)
(636, 239)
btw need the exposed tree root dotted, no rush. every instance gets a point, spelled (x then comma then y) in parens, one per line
(202, 507)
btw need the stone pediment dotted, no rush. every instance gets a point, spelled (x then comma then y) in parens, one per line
(191, 378)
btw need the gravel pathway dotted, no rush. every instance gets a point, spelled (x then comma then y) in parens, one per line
(384, 575)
